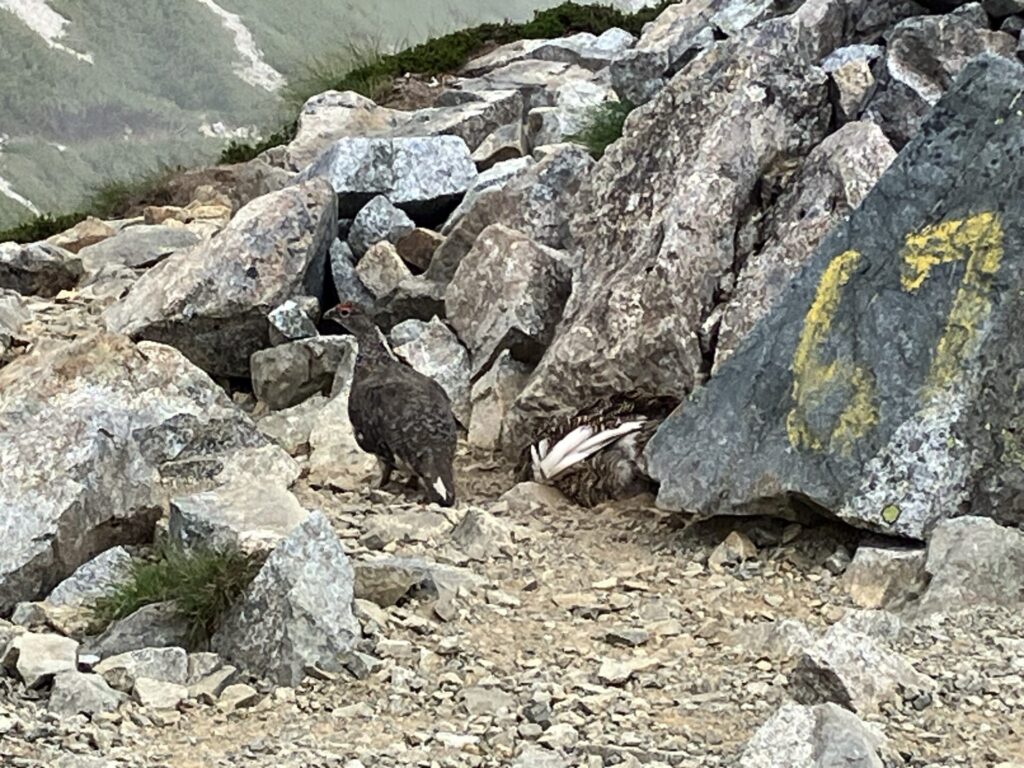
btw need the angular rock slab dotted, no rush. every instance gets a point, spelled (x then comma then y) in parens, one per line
(972, 561)
(822, 736)
(285, 375)
(79, 693)
(421, 175)
(883, 385)
(95, 434)
(433, 350)
(212, 301)
(658, 222)
(298, 609)
(93, 579)
(253, 516)
(508, 293)
(849, 668)
(38, 269)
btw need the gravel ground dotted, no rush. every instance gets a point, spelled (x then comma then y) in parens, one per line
(596, 637)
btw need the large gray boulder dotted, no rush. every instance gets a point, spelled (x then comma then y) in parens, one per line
(435, 351)
(923, 56)
(38, 269)
(822, 736)
(661, 222)
(833, 181)
(298, 610)
(972, 561)
(287, 374)
(138, 247)
(882, 385)
(535, 202)
(424, 176)
(508, 293)
(95, 434)
(379, 220)
(212, 301)
(252, 516)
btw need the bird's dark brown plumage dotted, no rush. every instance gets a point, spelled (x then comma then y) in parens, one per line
(398, 414)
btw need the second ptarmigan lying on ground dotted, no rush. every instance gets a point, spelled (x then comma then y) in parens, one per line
(398, 414)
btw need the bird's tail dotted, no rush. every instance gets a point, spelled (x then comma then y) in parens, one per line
(439, 483)
(579, 445)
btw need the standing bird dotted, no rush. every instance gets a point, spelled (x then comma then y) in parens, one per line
(399, 415)
(598, 455)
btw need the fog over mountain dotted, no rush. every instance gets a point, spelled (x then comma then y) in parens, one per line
(92, 90)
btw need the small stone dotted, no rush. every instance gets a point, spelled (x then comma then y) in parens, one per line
(79, 693)
(289, 322)
(237, 696)
(200, 665)
(482, 700)
(561, 736)
(627, 637)
(730, 553)
(169, 665)
(362, 665)
(158, 694)
(837, 562)
(378, 221)
(417, 248)
(382, 270)
(209, 688)
(38, 657)
(614, 672)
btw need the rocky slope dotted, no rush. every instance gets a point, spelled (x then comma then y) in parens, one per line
(809, 232)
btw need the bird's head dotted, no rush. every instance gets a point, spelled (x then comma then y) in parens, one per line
(351, 317)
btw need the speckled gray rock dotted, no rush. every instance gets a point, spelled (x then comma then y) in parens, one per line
(290, 428)
(679, 33)
(495, 177)
(833, 181)
(852, 670)
(534, 80)
(381, 269)
(14, 314)
(139, 247)
(158, 694)
(290, 322)
(329, 116)
(347, 284)
(594, 52)
(535, 202)
(421, 175)
(435, 351)
(972, 561)
(508, 293)
(252, 516)
(881, 385)
(378, 220)
(822, 736)
(92, 579)
(572, 108)
(506, 143)
(923, 56)
(37, 657)
(667, 207)
(298, 610)
(121, 671)
(286, 375)
(96, 433)
(885, 576)
(38, 269)
(851, 71)
(212, 302)
(492, 397)
(1001, 8)
(77, 693)
(157, 625)
(387, 580)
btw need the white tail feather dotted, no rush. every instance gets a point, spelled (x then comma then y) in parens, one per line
(577, 446)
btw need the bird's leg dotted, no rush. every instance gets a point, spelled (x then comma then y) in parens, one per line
(386, 475)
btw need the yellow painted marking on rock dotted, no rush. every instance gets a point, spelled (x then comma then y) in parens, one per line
(891, 514)
(813, 378)
(978, 240)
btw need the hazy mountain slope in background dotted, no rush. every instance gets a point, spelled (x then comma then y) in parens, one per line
(92, 90)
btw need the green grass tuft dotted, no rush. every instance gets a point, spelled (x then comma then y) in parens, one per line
(603, 127)
(202, 583)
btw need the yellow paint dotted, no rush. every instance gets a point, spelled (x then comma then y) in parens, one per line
(978, 240)
(813, 378)
(891, 514)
